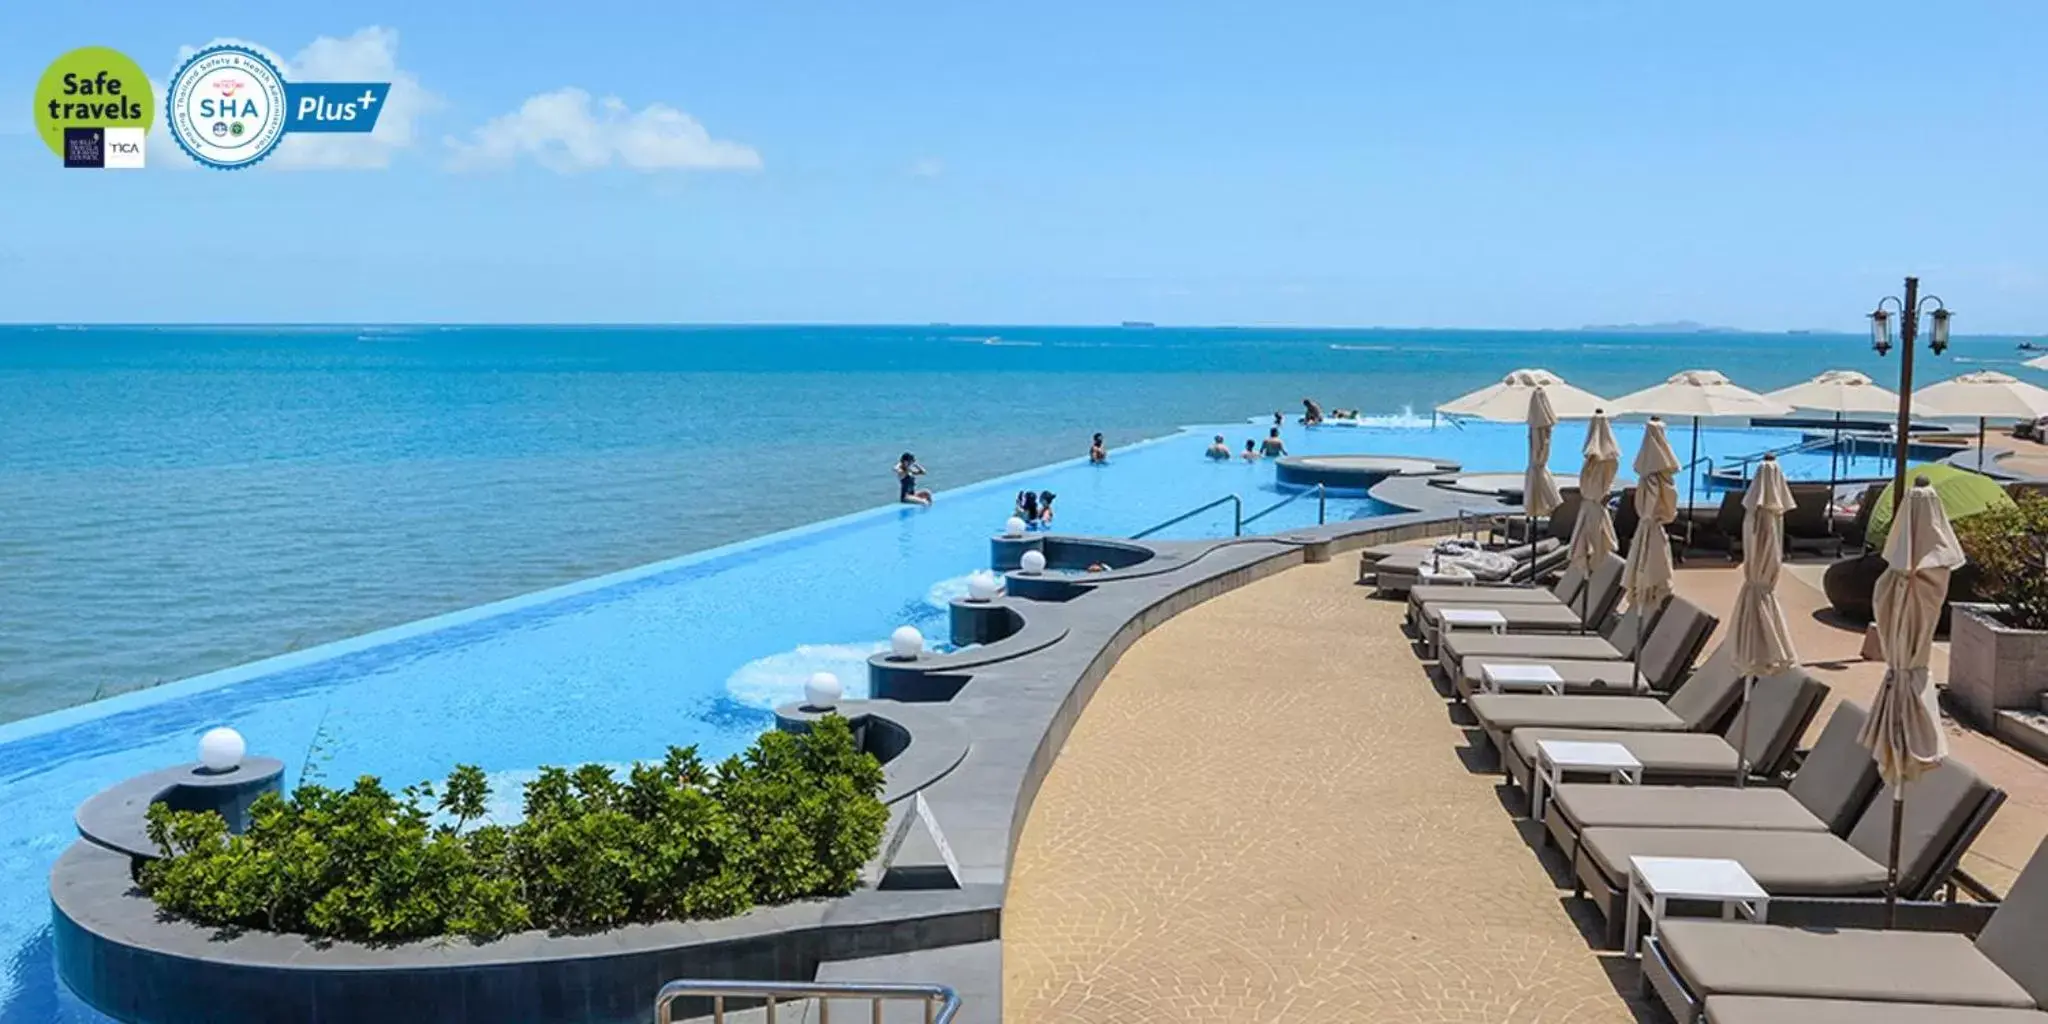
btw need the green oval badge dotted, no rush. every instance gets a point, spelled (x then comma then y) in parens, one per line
(92, 87)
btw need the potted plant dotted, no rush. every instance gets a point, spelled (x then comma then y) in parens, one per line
(1998, 658)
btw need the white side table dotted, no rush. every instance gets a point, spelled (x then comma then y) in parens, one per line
(1507, 678)
(1654, 881)
(1447, 574)
(1556, 757)
(1472, 618)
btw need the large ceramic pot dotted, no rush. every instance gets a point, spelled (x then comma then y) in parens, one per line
(1851, 585)
(1994, 667)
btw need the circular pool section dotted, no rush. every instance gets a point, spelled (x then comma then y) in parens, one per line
(1354, 472)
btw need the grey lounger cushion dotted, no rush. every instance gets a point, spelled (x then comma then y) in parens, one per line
(1662, 753)
(1593, 599)
(1595, 806)
(1774, 1010)
(1506, 712)
(1460, 645)
(1784, 863)
(1738, 958)
(1521, 618)
(1580, 677)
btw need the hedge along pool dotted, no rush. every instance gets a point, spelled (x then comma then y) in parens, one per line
(692, 650)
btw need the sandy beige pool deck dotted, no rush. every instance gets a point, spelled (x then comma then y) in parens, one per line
(1263, 816)
(1266, 814)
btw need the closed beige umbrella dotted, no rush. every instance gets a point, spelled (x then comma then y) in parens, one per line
(1647, 581)
(1508, 401)
(1904, 729)
(1763, 640)
(1981, 396)
(1593, 535)
(1539, 488)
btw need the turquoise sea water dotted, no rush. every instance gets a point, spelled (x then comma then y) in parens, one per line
(184, 500)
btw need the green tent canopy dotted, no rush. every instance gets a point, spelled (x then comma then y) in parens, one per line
(1962, 494)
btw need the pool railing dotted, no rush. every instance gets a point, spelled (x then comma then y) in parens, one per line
(1237, 517)
(1322, 507)
(941, 1003)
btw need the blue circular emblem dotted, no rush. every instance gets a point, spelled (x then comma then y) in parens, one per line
(227, 84)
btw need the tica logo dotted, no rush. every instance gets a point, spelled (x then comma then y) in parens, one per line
(228, 87)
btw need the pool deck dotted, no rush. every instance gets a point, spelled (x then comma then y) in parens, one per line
(1307, 842)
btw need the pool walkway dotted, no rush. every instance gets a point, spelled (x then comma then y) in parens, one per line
(1263, 816)
(1266, 813)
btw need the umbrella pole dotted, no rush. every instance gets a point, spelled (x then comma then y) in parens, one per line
(1891, 864)
(1980, 444)
(1692, 482)
(1742, 739)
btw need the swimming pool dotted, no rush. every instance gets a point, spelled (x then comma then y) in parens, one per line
(692, 650)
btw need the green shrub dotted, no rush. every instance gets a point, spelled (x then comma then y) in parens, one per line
(2010, 549)
(796, 816)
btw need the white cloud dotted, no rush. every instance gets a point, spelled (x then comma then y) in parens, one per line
(370, 55)
(927, 167)
(564, 132)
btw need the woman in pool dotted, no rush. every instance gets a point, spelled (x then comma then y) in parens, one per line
(1274, 447)
(907, 491)
(1045, 509)
(1251, 450)
(1218, 450)
(1027, 507)
(1097, 454)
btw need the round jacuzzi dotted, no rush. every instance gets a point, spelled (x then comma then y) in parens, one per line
(1354, 472)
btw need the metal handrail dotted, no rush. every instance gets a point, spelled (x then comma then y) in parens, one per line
(1238, 519)
(1322, 507)
(1742, 463)
(941, 1003)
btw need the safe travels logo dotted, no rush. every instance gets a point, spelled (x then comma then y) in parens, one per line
(228, 106)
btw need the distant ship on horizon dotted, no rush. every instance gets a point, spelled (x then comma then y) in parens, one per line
(1138, 323)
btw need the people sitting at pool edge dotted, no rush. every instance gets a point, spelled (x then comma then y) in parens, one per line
(1097, 454)
(1251, 450)
(1273, 448)
(1218, 450)
(907, 472)
(1312, 414)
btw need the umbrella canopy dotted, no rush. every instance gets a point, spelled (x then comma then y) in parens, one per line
(1508, 401)
(1701, 394)
(1983, 395)
(1763, 640)
(1961, 493)
(1904, 729)
(1648, 580)
(2037, 363)
(1838, 391)
(1593, 536)
(1539, 489)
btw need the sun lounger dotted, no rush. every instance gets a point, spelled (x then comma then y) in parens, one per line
(1612, 644)
(1779, 711)
(1677, 633)
(1833, 786)
(1771, 1010)
(1740, 972)
(1400, 574)
(1565, 591)
(1702, 703)
(1945, 810)
(1601, 593)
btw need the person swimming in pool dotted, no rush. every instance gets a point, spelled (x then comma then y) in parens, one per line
(1218, 450)
(907, 491)
(1027, 507)
(1279, 418)
(1097, 454)
(1273, 448)
(1251, 450)
(1045, 509)
(1311, 413)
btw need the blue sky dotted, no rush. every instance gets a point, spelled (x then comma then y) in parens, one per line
(1482, 164)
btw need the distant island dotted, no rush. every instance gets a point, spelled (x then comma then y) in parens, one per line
(1672, 327)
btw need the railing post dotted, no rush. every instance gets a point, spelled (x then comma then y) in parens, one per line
(1237, 504)
(1322, 505)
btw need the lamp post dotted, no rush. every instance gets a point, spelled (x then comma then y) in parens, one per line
(1909, 331)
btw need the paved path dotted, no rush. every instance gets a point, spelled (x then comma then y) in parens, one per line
(1263, 816)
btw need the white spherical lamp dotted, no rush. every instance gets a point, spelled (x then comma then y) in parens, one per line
(906, 643)
(982, 587)
(221, 750)
(822, 692)
(1015, 527)
(1032, 563)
